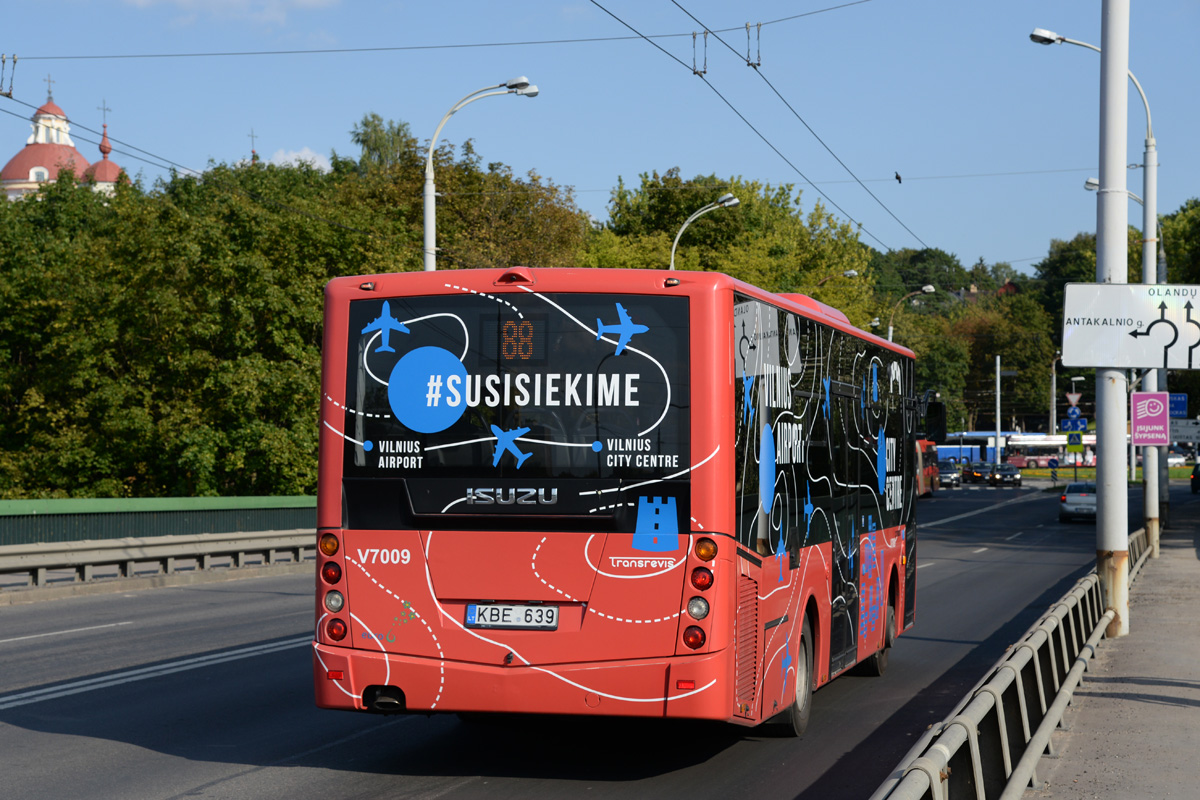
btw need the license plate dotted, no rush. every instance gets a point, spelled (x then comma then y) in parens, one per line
(502, 615)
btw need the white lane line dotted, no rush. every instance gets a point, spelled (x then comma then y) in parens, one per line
(984, 510)
(926, 564)
(60, 633)
(977, 552)
(144, 673)
(1015, 535)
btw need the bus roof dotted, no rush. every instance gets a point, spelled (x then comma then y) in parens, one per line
(574, 279)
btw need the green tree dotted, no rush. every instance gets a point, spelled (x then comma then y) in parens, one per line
(766, 240)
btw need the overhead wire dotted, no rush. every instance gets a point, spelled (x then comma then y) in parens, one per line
(748, 123)
(790, 107)
(402, 48)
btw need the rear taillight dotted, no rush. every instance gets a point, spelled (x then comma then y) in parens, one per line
(336, 629)
(331, 572)
(334, 601)
(702, 578)
(329, 544)
(693, 637)
(697, 608)
(706, 549)
(1062, 499)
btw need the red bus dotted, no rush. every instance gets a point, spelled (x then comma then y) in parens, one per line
(606, 492)
(927, 467)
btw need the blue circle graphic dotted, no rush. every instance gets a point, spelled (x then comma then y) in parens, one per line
(597, 446)
(766, 470)
(427, 389)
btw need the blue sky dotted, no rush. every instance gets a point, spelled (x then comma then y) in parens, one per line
(992, 135)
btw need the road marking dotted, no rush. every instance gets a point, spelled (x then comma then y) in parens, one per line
(1015, 535)
(984, 510)
(143, 673)
(926, 564)
(977, 552)
(60, 633)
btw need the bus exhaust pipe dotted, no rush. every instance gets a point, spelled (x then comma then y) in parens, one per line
(384, 700)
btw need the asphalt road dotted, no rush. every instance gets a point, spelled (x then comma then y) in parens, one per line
(205, 692)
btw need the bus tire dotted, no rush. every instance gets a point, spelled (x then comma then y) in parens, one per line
(797, 715)
(877, 664)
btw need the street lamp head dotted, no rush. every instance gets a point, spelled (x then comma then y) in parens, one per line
(517, 83)
(1043, 36)
(875, 322)
(727, 200)
(928, 289)
(1092, 184)
(850, 273)
(528, 91)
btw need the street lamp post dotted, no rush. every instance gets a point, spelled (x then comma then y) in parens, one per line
(1053, 392)
(726, 200)
(926, 289)
(520, 86)
(1112, 217)
(1151, 456)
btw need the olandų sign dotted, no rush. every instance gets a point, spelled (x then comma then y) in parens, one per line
(1149, 418)
(1131, 325)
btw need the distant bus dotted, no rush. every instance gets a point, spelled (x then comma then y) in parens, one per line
(606, 492)
(1037, 450)
(927, 467)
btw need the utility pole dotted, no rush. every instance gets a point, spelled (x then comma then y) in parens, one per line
(1112, 220)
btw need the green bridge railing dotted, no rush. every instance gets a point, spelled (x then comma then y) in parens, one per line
(31, 521)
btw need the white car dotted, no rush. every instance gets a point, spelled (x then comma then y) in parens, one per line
(1078, 500)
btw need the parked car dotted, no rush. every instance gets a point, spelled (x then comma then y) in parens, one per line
(948, 474)
(1176, 460)
(1005, 474)
(976, 472)
(1078, 500)
(1196, 478)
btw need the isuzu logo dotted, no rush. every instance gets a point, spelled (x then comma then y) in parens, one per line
(508, 497)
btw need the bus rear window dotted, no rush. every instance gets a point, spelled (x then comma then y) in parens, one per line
(462, 409)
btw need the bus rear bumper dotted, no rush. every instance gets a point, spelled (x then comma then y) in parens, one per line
(692, 687)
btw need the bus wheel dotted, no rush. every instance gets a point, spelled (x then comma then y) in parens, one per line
(877, 664)
(797, 715)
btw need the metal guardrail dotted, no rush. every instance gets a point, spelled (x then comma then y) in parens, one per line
(86, 519)
(39, 559)
(1005, 722)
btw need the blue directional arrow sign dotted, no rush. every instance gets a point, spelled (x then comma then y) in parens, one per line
(1074, 413)
(1079, 425)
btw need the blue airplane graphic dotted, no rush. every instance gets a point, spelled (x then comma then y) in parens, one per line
(505, 442)
(626, 328)
(386, 323)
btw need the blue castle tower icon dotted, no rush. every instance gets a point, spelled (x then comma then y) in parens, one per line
(657, 529)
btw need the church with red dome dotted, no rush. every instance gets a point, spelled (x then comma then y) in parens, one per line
(50, 149)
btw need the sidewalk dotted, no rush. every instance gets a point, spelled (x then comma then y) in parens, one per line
(1135, 721)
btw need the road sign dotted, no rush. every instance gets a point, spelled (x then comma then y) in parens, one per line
(1185, 430)
(1073, 398)
(1149, 422)
(1079, 424)
(1053, 463)
(1074, 413)
(1179, 404)
(1074, 442)
(1131, 325)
